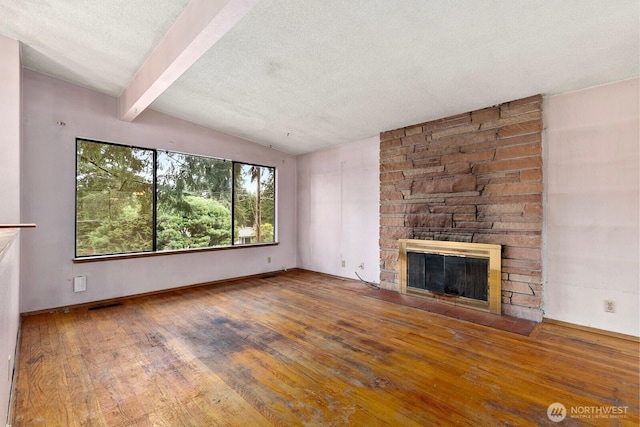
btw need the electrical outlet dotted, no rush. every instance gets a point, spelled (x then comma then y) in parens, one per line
(268, 260)
(609, 306)
(343, 264)
(79, 283)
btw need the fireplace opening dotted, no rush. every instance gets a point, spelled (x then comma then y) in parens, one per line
(449, 275)
(463, 273)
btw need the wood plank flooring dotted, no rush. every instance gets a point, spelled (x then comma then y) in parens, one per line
(301, 348)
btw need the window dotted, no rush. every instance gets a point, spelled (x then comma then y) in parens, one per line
(131, 199)
(194, 201)
(254, 203)
(114, 199)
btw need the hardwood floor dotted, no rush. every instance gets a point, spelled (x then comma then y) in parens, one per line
(301, 348)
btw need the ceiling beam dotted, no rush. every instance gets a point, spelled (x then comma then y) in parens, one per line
(196, 30)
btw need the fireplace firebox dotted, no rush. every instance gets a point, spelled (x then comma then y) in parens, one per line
(456, 272)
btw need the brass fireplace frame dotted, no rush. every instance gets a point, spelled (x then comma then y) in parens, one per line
(473, 250)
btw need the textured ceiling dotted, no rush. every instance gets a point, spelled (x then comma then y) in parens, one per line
(304, 75)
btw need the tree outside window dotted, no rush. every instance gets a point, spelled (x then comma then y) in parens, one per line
(194, 201)
(254, 203)
(132, 199)
(114, 199)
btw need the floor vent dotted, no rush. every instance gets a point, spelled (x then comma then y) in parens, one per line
(100, 307)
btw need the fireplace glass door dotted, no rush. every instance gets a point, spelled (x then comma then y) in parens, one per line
(449, 274)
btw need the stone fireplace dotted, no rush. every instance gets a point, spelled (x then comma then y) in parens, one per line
(474, 177)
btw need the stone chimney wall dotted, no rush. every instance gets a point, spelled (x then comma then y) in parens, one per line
(473, 177)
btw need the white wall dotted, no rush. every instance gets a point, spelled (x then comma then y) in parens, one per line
(338, 210)
(9, 211)
(329, 206)
(9, 130)
(49, 198)
(591, 251)
(591, 235)
(9, 313)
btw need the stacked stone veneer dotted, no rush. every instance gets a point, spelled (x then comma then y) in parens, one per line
(473, 177)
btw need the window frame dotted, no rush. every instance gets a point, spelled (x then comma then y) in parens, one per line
(154, 214)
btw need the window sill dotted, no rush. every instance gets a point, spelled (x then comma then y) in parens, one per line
(99, 258)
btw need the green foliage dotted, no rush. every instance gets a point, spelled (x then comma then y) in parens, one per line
(268, 204)
(121, 228)
(254, 203)
(119, 236)
(206, 223)
(180, 175)
(115, 200)
(194, 201)
(267, 232)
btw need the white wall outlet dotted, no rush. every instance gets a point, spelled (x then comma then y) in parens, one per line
(268, 260)
(79, 283)
(344, 264)
(609, 306)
